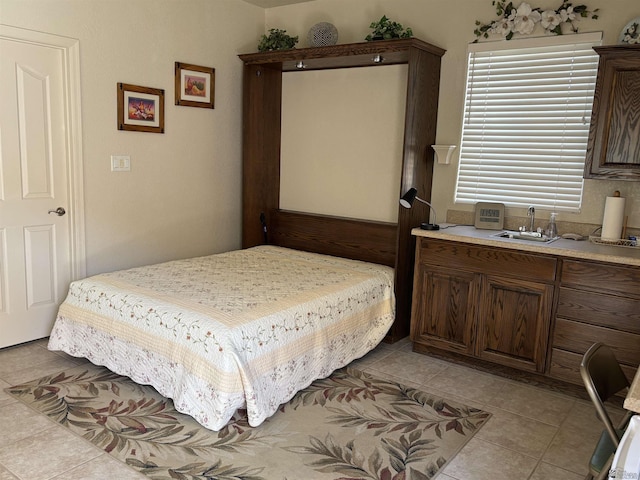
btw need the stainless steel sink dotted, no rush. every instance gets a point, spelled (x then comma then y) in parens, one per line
(528, 236)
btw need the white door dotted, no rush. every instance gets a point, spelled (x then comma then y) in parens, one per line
(35, 235)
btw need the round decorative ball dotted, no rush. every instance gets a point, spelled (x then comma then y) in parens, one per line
(322, 34)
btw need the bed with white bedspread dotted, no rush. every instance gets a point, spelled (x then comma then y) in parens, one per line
(242, 329)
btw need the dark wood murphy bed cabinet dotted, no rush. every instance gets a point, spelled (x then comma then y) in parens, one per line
(530, 312)
(387, 243)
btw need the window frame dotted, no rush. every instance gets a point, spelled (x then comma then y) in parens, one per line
(540, 179)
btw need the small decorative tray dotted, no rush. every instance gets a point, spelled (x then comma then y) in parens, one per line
(615, 243)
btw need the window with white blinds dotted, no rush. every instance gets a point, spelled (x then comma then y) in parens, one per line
(526, 121)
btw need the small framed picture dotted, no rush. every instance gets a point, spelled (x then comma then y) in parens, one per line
(140, 109)
(195, 85)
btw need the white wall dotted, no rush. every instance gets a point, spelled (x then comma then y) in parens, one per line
(182, 196)
(321, 130)
(449, 24)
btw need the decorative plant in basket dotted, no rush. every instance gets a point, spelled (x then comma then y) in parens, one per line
(277, 40)
(385, 29)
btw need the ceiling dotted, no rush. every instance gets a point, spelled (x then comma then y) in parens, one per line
(275, 3)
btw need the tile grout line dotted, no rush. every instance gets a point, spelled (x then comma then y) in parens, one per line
(540, 461)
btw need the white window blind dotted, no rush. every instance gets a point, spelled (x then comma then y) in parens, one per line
(526, 121)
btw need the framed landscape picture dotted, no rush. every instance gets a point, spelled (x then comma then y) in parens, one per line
(140, 109)
(195, 85)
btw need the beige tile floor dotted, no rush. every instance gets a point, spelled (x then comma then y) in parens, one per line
(534, 434)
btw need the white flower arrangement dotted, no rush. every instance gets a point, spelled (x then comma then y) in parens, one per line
(523, 19)
(631, 34)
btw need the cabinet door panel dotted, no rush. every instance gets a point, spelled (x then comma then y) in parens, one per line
(514, 322)
(623, 146)
(444, 309)
(613, 149)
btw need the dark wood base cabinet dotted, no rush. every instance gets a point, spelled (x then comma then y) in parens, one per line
(490, 303)
(529, 312)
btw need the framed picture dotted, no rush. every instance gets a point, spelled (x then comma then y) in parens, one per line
(140, 109)
(195, 86)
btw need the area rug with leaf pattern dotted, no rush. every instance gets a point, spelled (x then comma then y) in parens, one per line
(348, 426)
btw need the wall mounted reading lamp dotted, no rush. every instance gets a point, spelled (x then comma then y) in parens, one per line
(407, 202)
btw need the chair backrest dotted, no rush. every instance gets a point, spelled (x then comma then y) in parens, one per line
(603, 378)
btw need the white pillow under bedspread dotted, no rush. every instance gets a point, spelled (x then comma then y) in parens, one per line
(247, 328)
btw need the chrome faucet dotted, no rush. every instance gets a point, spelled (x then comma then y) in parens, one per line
(531, 212)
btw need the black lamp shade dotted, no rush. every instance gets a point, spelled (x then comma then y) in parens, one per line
(407, 202)
(408, 198)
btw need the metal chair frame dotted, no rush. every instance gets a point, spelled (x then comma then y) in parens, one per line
(603, 378)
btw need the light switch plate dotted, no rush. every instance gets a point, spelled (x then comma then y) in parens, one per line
(120, 163)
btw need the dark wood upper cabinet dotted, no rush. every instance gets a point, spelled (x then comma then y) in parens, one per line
(613, 151)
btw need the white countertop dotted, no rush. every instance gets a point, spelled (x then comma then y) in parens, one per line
(582, 249)
(632, 402)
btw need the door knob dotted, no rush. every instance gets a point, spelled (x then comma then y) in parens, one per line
(58, 211)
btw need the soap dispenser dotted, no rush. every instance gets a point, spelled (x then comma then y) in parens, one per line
(552, 228)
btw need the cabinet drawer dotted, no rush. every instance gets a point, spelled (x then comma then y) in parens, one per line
(488, 260)
(566, 366)
(600, 277)
(578, 337)
(611, 311)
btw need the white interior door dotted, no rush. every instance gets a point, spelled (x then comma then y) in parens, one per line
(35, 240)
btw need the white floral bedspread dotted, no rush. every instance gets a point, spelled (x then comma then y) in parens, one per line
(243, 329)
